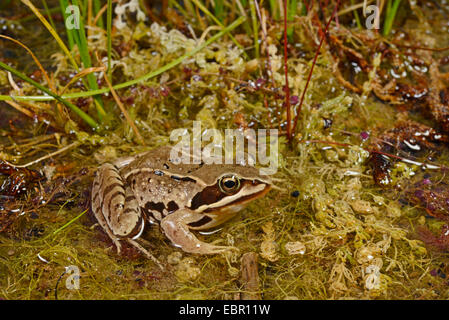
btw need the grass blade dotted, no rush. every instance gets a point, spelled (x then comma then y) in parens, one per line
(293, 5)
(207, 12)
(47, 11)
(53, 32)
(255, 28)
(218, 9)
(357, 17)
(390, 15)
(109, 36)
(82, 44)
(97, 8)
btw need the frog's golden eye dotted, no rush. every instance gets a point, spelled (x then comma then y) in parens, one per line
(229, 184)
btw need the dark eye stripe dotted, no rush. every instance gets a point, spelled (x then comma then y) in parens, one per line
(208, 196)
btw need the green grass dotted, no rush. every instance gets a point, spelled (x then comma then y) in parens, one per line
(48, 13)
(97, 7)
(219, 10)
(64, 4)
(291, 13)
(79, 35)
(214, 19)
(357, 17)
(392, 8)
(146, 77)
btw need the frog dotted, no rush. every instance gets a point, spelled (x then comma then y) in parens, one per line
(182, 198)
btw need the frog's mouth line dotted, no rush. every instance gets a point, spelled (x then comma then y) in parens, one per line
(237, 204)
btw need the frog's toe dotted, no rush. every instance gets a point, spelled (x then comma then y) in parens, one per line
(118, 246)
(146, 253)
(213, 249)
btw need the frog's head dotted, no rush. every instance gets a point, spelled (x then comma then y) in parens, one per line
(226, 189)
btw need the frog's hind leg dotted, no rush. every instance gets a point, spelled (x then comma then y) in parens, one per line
(117, 209)
(97, 204)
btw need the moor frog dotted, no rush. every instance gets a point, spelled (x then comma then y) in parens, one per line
(179, 197)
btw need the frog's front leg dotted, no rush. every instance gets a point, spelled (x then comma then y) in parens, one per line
(175, 227)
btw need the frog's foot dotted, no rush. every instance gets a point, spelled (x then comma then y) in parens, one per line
(146, 253)
(175, 227)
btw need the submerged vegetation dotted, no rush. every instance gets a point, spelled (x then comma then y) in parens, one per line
(362, 205)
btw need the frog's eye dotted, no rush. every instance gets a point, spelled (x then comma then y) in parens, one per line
(229, 184)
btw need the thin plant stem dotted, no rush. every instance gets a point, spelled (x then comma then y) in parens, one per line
(47, 11)
(71, 106)
(287, 88)
(109, 36)
(41, 68)
(64, 4)
(123, 109)
(356, 16)
(293, 5)
(83, 47)
(67, 224)
(218, 9)
(255, 28)
(97, 8)
(53, 32)
(298, 112)
(274, 9)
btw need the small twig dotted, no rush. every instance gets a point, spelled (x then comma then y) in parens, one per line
(250, 277)
(21, 109)
(74, 144)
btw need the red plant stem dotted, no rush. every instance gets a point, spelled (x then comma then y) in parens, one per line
(269, 69)
(287, 89)
(313, 65)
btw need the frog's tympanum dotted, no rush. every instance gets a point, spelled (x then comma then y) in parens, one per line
(180, 197)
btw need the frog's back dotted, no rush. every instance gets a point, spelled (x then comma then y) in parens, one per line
(160, 159)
